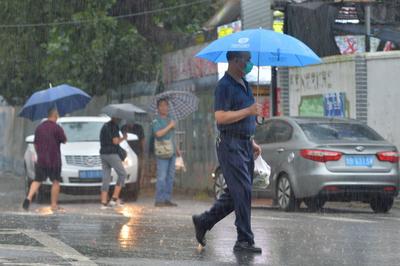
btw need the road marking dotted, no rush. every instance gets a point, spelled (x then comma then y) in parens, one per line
(68, 212)
(343, 219)
(22, 248)
(389, 218)
(9, 232)
(61, 249)
(271, 218)
(7, 262)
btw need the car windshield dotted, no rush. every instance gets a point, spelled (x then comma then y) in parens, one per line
(82, 131)
(339, 131)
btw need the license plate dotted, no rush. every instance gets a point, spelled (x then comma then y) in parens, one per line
(91, 174)
(360, 160)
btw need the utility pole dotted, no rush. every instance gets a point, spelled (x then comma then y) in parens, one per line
(367, 27)
(273, 92)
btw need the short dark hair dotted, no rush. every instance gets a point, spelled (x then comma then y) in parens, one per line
(51, 111)
(230, 55)
(159, 101)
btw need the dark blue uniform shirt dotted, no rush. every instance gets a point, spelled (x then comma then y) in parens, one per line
(232, 96)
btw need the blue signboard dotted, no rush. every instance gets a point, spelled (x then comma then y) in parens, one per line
(335, 104)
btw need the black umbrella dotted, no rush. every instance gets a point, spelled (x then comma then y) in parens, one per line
(125, 111)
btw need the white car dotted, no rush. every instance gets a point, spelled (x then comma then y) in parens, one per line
(81, 165)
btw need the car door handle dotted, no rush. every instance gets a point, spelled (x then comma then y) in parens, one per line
(280, 150)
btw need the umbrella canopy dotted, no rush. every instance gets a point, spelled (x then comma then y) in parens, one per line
(181, 103)
(64, 97)
(125, 111)
(267, 48)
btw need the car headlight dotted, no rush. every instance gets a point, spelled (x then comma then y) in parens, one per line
(127, 162)
(33, 158)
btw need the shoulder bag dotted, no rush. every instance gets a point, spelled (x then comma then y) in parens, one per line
(164, 149)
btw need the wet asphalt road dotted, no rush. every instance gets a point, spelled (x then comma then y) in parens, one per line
(140, 234)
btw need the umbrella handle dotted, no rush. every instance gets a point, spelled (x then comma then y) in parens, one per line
(258, 88)
(173, 112)
(173, 115)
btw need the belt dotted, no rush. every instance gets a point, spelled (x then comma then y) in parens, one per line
(237, 135)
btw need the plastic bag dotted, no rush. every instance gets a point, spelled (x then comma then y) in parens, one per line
(180, 164)
(262, 171)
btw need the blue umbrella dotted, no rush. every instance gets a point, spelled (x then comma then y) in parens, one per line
(63, 97)
(267, 48)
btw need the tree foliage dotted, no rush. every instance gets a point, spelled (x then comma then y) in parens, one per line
(82, 43)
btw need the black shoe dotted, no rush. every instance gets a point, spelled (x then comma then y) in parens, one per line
(170, 204)
(26, 204)
(160, 204)
(200, 231)
(244, 246)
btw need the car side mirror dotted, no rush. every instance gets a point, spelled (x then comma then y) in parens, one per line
(132, 137)
(30, 139)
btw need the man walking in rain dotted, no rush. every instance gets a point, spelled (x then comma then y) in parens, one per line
(109, 147)
(235, 114)
(48, 138)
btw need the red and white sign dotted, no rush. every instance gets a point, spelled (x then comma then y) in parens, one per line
(183, 65)
(265, 111)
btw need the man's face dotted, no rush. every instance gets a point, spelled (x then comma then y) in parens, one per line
(116, 121)
(242, 61)
(163, 108)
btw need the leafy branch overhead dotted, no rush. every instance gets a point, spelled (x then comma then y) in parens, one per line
(95, 45)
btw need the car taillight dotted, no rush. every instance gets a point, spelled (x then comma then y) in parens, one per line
(388, 156)
(321, 155)
(389, 189)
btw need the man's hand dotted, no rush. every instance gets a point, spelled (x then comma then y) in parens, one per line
(256, 149)
(230, 117)
(255, 109)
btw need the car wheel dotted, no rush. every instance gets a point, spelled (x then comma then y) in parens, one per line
(286, 198)
(315, 203)
(381, 204)
(110, 192)
(131, 191)
(219, 184)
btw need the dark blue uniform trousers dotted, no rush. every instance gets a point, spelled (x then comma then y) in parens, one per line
(236, 161)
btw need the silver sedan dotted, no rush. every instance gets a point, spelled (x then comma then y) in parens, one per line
(319, 159)
(315, 160)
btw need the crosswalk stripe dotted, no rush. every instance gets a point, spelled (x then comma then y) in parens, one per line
(61, 249)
